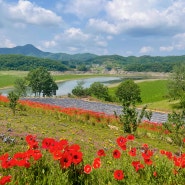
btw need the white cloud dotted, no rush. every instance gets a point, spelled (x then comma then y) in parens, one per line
(135, 11)
(146, 50)
(75, 40)
(150, 17)
(75, 34)
(84, 8)
(103, 26)
(49, 44)
(166, 48)
(26, 12)
(71, 38)
(5, 42)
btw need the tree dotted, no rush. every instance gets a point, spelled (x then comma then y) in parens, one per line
(79, 90)
(41, 81)
(128, 92)
(20, 87)
(13, 98)
(100, 91)
(176, 84)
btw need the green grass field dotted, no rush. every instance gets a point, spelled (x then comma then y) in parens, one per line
(7, 78)
(90, 138)
(153, 91)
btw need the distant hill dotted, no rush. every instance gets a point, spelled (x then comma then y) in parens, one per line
(27, 63)
(30, 50)
(88, 61)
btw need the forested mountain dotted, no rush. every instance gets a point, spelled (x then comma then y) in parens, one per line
(26, 63)
(84, 61)
(30, 50)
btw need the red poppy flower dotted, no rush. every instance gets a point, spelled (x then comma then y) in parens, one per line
(77, 157)
(137, 165)
(36, 154)
(23, 163)
(6, 164)
(31, 140)
(116, 154)
(101, 153)
(4, 157)
(162, 152)
(118, 174)
(130, 137)
(179, 161)
(87, 169)
(96, 163)
(57, 154)
(47, 143)
(132, 152)
(183, 140)
(66, 160)
(5, 179)
(169, 155)
(74, 147)
(20, 155)
(123, 147)
(62, 144)
(148, 161)
(121, 141)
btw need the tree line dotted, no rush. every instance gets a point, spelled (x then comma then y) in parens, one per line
(26, 63)
(131, 63)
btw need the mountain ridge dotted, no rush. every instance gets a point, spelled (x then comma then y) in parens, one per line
(31, 50)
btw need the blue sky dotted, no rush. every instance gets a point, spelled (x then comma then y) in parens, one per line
(103, 27)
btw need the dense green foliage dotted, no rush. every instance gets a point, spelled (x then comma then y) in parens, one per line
(143, 63)
(41, 81)
(128, 92)
(13, 98)
(25, 63)
(79, 90)
(176, 85)
(83, 62)
(96, 89)
(100, 91)
(20, 87)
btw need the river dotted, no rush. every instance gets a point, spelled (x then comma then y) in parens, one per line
(66, 87)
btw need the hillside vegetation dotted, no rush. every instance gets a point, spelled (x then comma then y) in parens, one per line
(27, 63)
(15, 59)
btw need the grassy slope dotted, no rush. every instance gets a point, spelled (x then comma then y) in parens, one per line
(153, 91)
(154, 94)
(90, 137)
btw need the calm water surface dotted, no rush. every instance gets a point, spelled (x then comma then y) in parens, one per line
(66, 87)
